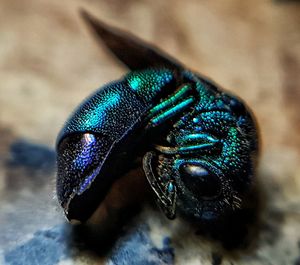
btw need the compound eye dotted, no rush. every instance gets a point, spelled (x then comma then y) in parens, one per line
(200, 181)
(237, 106)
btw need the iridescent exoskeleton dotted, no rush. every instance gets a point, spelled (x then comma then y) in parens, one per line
(199, 144)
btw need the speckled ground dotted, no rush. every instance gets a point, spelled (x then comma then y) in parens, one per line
(49, 63)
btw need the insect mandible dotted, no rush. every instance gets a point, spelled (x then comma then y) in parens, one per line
(198, 143)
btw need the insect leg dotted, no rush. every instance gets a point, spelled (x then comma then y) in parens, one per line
(164, 190)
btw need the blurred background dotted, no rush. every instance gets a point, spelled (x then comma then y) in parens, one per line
(49, 62)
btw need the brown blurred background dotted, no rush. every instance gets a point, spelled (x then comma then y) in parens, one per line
(49, 63)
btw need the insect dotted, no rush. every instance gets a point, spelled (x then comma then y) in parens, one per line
(197, 144)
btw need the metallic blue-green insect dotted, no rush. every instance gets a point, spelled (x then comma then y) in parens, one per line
(197, 144)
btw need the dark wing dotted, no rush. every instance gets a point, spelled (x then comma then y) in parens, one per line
(135, 53)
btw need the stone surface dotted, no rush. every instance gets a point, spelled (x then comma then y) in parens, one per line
(49, 63)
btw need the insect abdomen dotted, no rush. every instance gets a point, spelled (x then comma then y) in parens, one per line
(95, 133)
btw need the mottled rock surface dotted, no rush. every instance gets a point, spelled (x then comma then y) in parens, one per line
(49, 63)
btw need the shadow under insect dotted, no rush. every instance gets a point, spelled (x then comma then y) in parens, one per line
(237, 230)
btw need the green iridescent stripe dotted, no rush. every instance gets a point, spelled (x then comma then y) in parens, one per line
(196, 136)
(172, 111)
(170, 101)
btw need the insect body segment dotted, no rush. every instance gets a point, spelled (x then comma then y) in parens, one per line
(107, 117)
(198, 143)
